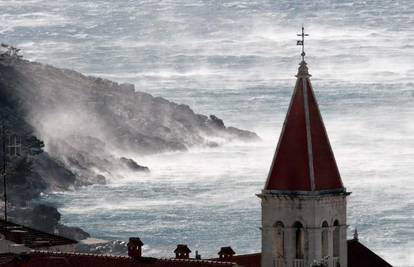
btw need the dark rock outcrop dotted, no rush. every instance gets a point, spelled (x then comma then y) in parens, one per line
(85, 124)
(83, 120)
(45, 218)
(71, 232)
(133, 166)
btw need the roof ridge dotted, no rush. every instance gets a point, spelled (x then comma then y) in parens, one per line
(46, 252)
(163, 259)
(195, 261)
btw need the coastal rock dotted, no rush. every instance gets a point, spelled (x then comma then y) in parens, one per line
(86, 124)
(56, 176)
(215, 122)
(45, 218)
(133, 166)
(84, 120)
(71, 232)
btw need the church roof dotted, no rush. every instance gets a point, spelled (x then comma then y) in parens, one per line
(361, 256)
(304, 160)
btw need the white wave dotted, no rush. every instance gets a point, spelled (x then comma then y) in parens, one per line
(9, 22)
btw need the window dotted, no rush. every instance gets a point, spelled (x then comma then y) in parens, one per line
(279, 247)
(325, 239)
(336, 239)
(299, 240)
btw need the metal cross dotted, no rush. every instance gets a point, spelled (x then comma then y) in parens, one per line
(14, 146)
(302, 42)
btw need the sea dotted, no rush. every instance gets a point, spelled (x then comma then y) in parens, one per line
(237, 60)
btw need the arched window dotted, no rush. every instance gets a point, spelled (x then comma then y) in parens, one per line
(279, 241)
(299, 240)
(336, 236)
(325, 239)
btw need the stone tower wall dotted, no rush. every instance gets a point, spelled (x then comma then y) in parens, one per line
(311, 212)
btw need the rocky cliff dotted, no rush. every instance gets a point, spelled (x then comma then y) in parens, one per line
(89, 124)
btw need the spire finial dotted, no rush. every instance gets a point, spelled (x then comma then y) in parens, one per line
(355, 234)
(302, 42)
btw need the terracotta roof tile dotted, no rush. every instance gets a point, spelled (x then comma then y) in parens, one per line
(246, 260)
(37, 258)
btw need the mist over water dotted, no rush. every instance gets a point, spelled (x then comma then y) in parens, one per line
(236, 59)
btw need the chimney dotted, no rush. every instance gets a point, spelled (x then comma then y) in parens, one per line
(135, 247)
(182, 252)
(197, 256)
(226, 253)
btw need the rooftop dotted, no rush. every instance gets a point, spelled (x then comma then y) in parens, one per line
(30, 237)
(303, 161)
(49, 259)
(358, 256)
(361, 256)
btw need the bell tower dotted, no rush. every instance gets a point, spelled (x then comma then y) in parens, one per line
(304, 200)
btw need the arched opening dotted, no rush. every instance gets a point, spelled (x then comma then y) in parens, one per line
(299, 240)
(279, 240)
(336, 236)
(325, 228)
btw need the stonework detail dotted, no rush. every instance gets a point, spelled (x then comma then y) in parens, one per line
(309, 224)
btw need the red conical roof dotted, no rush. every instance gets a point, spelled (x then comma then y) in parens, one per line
(304, 160)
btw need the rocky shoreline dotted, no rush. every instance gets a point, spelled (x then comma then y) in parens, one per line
(75, 131)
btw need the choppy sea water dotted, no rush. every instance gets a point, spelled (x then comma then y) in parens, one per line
(236, 59)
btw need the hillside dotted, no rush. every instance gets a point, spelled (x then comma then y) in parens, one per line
(87, 125)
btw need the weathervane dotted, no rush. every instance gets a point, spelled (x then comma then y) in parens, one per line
(302, 42)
